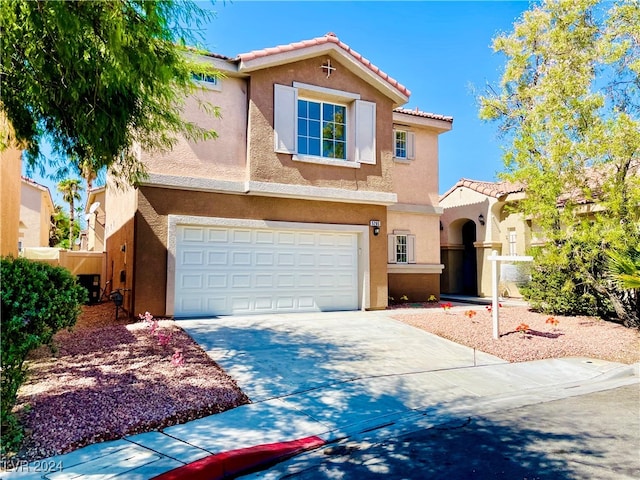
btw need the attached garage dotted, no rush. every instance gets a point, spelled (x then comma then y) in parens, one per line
(222, 267)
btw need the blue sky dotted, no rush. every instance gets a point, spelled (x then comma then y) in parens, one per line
(439, 50)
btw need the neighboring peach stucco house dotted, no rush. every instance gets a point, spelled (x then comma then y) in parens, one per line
(95, 216)
(475, 222)
(319, 193)
(36, 209)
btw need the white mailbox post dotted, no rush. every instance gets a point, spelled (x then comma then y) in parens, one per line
(495, 258)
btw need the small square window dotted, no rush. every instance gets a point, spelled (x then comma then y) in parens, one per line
(400, 144)
(401, 249)
(207, 81)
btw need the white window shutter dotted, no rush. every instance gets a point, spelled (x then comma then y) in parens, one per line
(411, 249)
(285, 108)
(391, 249)
(411, 145)
(365, 132)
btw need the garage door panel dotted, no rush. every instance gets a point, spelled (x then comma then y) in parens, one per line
(285, 280)
(216, 257)
(191, 257)
(193, 234)
(217, 281)
(264, 280)
(190, 282)
(285, 259)
(217, 235)
(306, 280)
(286, 238)
(264, 259)
(223, 271)
(265, 238)
(241, 258)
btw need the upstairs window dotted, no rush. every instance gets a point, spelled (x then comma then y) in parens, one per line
(403, 142)
(207, 81)
(322, 129)
(321, 125)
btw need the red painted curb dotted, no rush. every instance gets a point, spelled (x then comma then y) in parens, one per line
(225, 464)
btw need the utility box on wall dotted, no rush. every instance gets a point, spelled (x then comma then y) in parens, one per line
(92, 284)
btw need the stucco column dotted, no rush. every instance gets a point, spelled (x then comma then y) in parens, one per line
(483, 252)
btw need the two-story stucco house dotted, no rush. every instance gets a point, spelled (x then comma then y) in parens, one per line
(319, 193)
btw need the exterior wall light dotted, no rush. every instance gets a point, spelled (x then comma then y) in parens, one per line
(481, 219)
(376, 231)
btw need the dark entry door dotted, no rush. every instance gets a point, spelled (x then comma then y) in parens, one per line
(469, 260)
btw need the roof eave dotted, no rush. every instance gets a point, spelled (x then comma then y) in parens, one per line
(329, 48)
(440, 125)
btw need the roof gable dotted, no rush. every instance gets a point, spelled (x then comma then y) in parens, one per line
(328, 44)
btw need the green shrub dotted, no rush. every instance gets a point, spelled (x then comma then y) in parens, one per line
(558, 285)
(37, 301)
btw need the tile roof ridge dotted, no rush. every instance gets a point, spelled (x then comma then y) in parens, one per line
(419, 113)
(329, 37)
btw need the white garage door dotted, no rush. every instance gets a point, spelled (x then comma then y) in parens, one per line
(226, 271)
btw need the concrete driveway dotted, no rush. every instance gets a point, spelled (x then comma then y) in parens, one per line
(338, 376)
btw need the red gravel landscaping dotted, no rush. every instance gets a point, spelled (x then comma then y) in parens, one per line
(526, 335)
(110, 379)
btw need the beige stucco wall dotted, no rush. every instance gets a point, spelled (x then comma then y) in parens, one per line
(96, 221)
(425, 228)
(120, 206)
(36, 208)
(10, 166)
(120, 210)
(416, 181)
(265, 165)
(155, 204)
(223, 158)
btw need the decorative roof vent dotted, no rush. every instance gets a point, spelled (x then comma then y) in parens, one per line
(330, 34)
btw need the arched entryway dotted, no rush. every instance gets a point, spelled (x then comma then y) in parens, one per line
(469, 278)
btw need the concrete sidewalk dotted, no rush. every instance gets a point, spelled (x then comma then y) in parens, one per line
(335, 375)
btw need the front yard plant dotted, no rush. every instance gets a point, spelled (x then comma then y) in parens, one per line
(37, 301)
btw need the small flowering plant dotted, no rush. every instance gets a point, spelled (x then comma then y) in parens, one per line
(552, 321)
(404, 298)
(177, 359)
(432, 299)
(164, 339)
(523, 328)
(446, 306)
(470, 313)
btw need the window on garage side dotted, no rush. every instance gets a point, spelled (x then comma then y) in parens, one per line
(323, 125)
(401, 248)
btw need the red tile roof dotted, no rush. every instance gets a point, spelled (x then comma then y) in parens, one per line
(327, 38)
(418, 113)
(491, 189)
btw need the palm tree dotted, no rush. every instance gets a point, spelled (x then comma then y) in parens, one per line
(88, 173)
(70, 189)
(625, 267)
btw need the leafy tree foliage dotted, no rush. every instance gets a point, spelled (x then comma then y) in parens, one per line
(568, 106)
(99, 77)
(60, 226)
